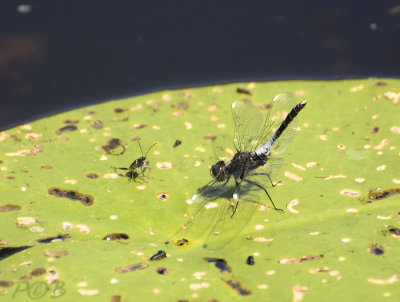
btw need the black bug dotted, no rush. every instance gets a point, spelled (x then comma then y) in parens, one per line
(257, 141)
(139, 164)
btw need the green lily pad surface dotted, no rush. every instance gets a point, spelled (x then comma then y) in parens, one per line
(74, 228)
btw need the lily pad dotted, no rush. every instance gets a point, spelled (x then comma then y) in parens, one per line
(74, 228)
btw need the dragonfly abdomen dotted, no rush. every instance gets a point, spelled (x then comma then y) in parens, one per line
(264, 150)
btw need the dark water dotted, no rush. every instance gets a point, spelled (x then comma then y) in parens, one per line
(59, 55)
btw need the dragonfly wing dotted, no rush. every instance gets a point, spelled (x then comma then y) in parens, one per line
(207, 205)
(211, 223)
(248, 122)
(280, 108)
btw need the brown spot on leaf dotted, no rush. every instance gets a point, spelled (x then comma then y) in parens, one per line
(394, 231)
(71, 122)
(135, 139)
(250, 260)
(182, 242)
(375, 129)
(92, 175)
(219, 263)
(9, 208)
(68, 128)
(60, 237)
(98, 124)
(238, 287)
(139, 126)
(116, 299)
(209, 138)
(380, 84)
(46, 167)
(181, 106)
(376, 249)
(4, 283)
(116, 236)
(158, 256)
(163, 270)
(131, 268)
(298, 260)
(113, 144)
(177, 143)
(85, 199)
(163, 196)
(243, 91)
(379, 194)
(119, 110)
(35, 150)
(38, 272)
(57, 254)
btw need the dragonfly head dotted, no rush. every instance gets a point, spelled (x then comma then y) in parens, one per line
(218, 171)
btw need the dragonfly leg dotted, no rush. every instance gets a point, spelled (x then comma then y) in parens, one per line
(236, 196)
(270, 180)
(261, 187)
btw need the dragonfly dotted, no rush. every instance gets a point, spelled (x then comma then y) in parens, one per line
(258, 141)
(140, 163)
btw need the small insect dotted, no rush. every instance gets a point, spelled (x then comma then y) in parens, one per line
(139, 164)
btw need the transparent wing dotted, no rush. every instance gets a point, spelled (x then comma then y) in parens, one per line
(211, 223)
(281, 106)
(209, 204)
(248, 122)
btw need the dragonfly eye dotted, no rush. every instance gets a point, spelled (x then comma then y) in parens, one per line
(218, 171)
